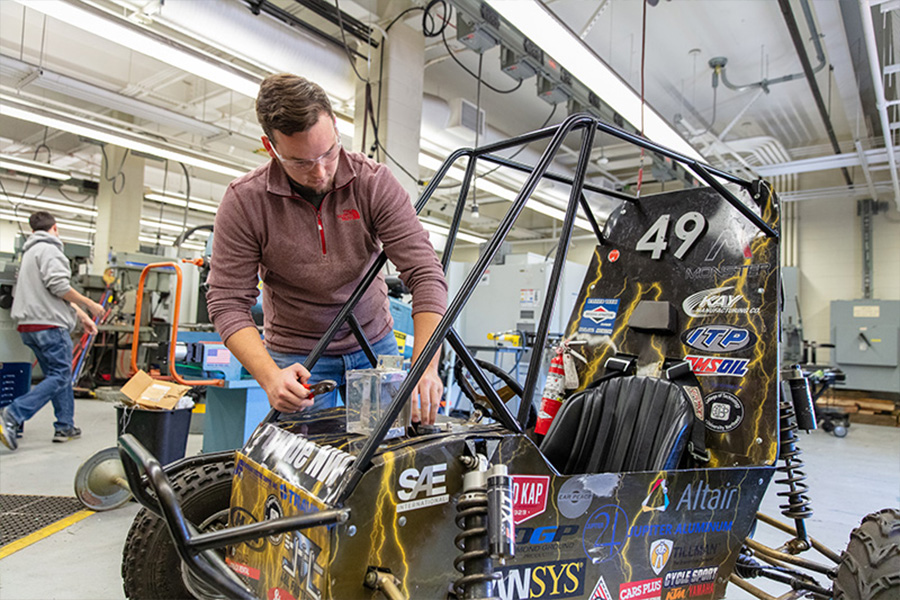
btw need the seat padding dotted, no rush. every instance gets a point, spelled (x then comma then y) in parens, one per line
(624, 424)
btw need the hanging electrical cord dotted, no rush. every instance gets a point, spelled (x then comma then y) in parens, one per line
(340, 17)
(162, 204)
(15, 207)
(187, 195)
(640, 178)
(119, 171)
(467, 70)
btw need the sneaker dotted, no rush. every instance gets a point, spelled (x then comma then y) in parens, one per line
(64, 435)
(8, 430)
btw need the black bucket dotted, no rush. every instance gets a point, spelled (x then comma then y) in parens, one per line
(163, 432)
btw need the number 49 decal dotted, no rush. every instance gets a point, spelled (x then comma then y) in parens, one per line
(654, 239)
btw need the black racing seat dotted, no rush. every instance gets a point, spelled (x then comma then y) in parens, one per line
(624, 424)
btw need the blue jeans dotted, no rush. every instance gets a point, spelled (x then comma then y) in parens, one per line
(53, 349)
(335, 367)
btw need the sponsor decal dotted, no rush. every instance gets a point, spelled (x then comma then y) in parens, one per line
(599, 316)
(351, 214)
(273, 511)
(428, 481)
(705, 366)
(560, 579)
(302, 565)
(296, 454)
(753, 271)
(544, 535)
(641, 590)
(573, 499)
(279, 594)
(601, 592)
(613, 255)
(690, 576)
(715, 302)
(660, 551)
(702, 589)
(693, 552)
(604, 533)
(696, 398)
(661, 504)
(718, 338)
(529, 496)
(703, 497)
(733, 241)
(676, 594)
(242, 569)
(671, 529)
(725, 412)
(287, 494)
(238, 516)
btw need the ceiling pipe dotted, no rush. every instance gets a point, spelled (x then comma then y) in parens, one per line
(865, 11)
(791, 23)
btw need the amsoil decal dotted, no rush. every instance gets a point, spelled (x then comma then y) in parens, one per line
(601, 592)
(641, 590)
(716, 302)
(725, 412)
(704, 366)
(560, 579)
(718, 338)
(422, 488)
(529, 496)
(599, 316)
(660, 551)
(690, 576)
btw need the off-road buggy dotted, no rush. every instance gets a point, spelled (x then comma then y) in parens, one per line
(646, 485)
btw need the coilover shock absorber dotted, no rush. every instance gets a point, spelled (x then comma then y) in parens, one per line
(797, 503)
(471, 516)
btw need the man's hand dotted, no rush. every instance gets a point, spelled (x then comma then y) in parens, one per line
(285, 392)
(86, 321)
(427, 394)
(95, 309)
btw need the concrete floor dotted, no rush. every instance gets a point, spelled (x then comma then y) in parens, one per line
(849, 478)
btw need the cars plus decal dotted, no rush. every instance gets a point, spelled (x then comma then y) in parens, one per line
(599, 316)
(422, 488)
(718, 338)
(705, 366)
(559, 579)
(529, 496)
(647, 589)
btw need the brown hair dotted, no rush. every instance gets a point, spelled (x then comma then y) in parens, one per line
(41, 221)
(290, 104)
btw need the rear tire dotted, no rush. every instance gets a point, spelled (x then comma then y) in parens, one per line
(151, 567)
(870, 566)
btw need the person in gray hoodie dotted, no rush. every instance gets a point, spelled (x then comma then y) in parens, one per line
(46, 308)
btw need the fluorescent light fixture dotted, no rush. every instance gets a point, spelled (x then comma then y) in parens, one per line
(168, 241)
(141, 40)
(64, 224)
(50, 204)
(33, 167)
(180, 201)
(445, 231)
(504, 193)
(542, 27)
(16, 108)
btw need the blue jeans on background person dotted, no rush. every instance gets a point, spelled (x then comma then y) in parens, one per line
(335, 367)
(53, 349)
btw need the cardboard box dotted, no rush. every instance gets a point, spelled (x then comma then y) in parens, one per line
(153, 393)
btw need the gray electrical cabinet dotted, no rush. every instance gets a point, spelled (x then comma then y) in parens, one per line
(866, 338)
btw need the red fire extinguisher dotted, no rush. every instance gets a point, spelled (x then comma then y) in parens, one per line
(552, 397)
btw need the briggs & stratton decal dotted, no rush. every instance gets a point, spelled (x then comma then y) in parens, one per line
(604, 533)
(714, 302)
(725, 412)
(429, 481)
(704, 366)
(599, 316)
(559, 579)
(660, 551)
(529, 496)
(647, 589)
(718, 338)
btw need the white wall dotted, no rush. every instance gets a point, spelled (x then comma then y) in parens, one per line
(830, 261)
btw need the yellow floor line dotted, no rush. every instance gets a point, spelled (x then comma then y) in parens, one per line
(40, 534)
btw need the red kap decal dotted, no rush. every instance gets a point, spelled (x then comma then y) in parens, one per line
(529, 496)
(641, 590)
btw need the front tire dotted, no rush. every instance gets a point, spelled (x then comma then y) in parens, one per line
(151, 567)
(870, 566)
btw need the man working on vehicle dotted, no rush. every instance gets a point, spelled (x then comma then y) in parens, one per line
(309, 223)
(45, 307)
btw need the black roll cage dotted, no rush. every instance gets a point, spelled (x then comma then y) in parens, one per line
(195, 548)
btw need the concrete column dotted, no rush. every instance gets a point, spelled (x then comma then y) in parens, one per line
(119, 201)
(400, 118)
